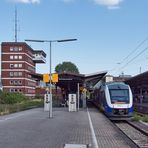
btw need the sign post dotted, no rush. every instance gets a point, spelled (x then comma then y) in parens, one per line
(48, 95)
(72, 103)
(78, 95)
(46, 102)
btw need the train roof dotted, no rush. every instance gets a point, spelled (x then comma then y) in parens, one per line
(116, 85)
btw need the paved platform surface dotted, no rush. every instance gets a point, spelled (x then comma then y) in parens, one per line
(33, 129)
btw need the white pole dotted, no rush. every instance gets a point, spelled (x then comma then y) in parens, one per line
(78, 96)
(50, 106)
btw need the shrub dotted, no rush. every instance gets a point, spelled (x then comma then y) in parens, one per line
(27, 104)
(145, 118)
(1, 97)
(136, 118)
(11, 98)
(38, 96)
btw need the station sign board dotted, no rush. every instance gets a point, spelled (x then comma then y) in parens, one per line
(55, 78)
(46, 78)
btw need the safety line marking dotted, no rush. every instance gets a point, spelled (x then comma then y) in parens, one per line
(92, 131)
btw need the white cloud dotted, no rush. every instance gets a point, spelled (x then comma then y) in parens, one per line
(26, 1)
(111, 4)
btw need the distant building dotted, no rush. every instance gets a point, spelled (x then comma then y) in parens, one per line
(18, 67)
(122, 78)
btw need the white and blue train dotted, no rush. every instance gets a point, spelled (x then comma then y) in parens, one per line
(115, 99)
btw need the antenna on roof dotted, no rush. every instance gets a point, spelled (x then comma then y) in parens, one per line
(16, 24)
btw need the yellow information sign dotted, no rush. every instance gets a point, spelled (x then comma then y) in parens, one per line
(46, 78)
(81, 88)
(55, 78)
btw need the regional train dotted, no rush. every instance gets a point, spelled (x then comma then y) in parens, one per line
(114, 99)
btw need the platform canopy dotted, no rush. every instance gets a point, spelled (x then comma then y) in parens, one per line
(94, 78)
(69, 81)
(139, 81)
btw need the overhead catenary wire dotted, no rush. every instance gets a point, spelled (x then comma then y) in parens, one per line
(134, 58)
(131, 53)
(135, 49)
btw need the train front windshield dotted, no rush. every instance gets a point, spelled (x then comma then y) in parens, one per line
(117, 95)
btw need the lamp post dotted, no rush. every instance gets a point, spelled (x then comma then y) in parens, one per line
(50, 61)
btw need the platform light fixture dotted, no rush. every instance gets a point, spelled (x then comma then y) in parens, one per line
(50, 61)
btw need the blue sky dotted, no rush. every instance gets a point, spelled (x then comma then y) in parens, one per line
(107, 32)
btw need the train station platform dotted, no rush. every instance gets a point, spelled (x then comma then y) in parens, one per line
(141, 104)
(82, 129)
(141, 108)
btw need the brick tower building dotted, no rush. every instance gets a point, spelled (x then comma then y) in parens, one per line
(18, 66)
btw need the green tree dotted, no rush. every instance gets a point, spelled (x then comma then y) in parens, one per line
(67, 67)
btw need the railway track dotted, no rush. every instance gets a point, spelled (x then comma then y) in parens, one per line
(139, 137)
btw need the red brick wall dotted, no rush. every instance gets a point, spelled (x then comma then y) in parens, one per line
(6, 74)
